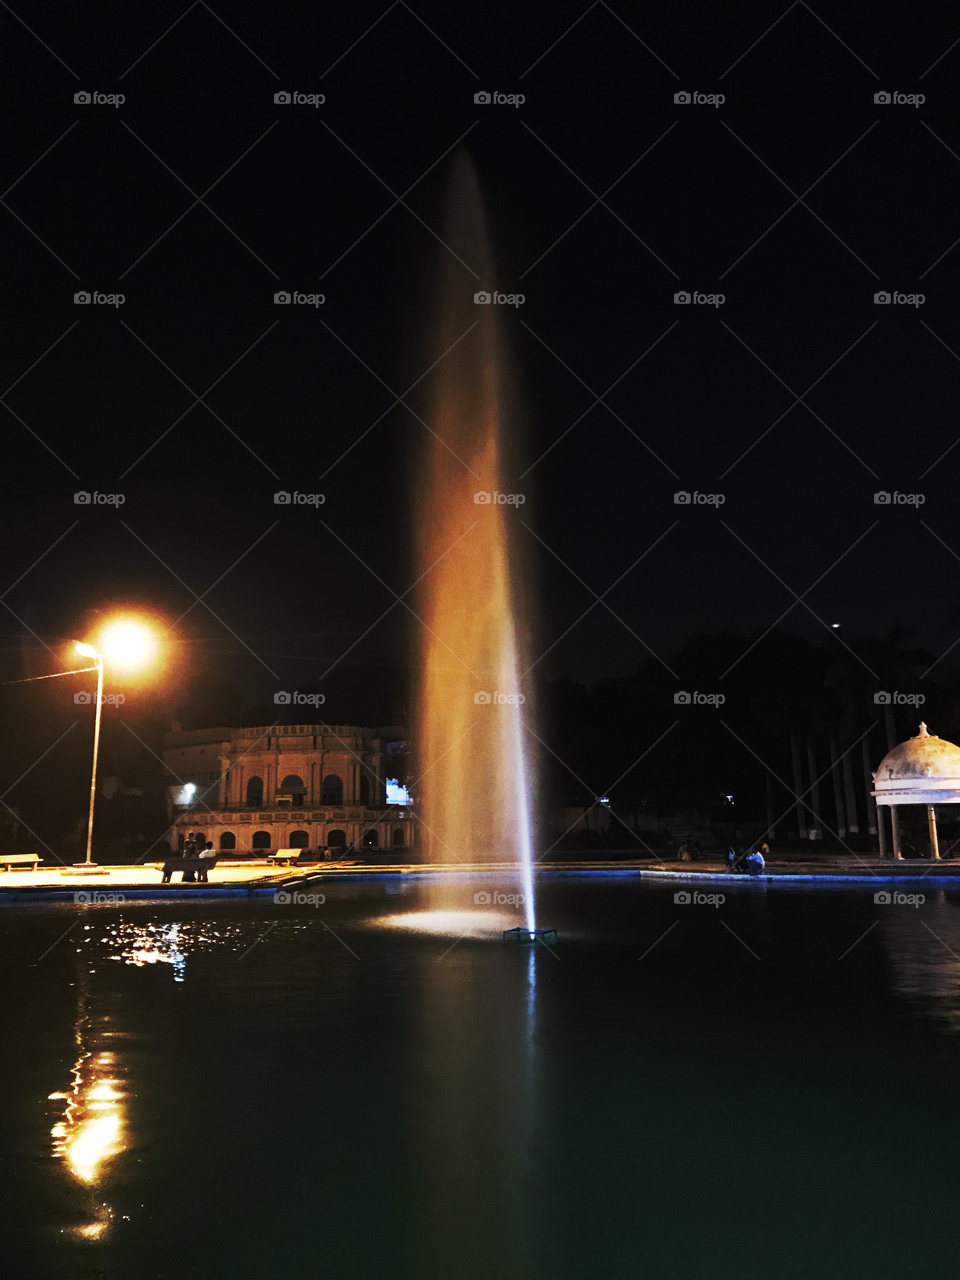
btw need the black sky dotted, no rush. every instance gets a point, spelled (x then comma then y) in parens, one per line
(797, 199)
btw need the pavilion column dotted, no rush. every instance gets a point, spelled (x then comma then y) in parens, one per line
(932, 824)
(853, 823)
(895, 829)
(881, 829)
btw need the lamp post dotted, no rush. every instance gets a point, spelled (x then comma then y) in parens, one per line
(88, 651)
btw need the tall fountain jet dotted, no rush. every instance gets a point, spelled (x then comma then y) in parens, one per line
(474, 792)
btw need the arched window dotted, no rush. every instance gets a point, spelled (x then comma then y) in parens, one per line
(228, 840)
(261, 840)
(291, 790)
(398, 838)
(333, 791)
(298, 840)
(370, 840)
(255, 793)
(364, 790)
(336, 839)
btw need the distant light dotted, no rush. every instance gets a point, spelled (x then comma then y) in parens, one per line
(603, 800)
(190, 787)
(87, 650)
(729, 799)
(835, 626)
(397, 794)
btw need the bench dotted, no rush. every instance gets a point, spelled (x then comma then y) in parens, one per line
(187, 864)
(283, 857)
(25, 861)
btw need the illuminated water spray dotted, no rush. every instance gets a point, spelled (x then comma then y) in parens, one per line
(474, 793)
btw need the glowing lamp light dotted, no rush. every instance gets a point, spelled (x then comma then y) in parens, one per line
(87, 650)
(128, 644)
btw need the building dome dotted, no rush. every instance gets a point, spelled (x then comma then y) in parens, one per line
(923, 770)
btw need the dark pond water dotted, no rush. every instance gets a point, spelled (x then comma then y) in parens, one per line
(259, 1090)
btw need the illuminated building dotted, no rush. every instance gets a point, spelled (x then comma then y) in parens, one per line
(255, 790)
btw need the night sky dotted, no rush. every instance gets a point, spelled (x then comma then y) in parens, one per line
(798, 199)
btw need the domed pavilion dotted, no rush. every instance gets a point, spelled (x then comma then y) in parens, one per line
(923, 770)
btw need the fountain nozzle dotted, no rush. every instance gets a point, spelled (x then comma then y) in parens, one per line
(529, 937)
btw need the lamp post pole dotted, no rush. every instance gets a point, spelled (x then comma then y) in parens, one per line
(88, 866)
(96, 748)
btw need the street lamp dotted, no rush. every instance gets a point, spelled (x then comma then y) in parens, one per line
(88, 651)
(127, 644)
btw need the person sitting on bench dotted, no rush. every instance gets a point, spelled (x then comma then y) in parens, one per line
(203, 865)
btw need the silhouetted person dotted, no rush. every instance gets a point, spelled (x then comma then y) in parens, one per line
(755, 863)
(740, 861)
(189, 851)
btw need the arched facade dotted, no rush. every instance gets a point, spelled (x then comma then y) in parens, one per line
(332, 776)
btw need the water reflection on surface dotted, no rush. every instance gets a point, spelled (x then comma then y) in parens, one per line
(92, 1127)
(923, 948)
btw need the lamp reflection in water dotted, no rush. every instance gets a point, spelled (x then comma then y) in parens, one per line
(92, 1129)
